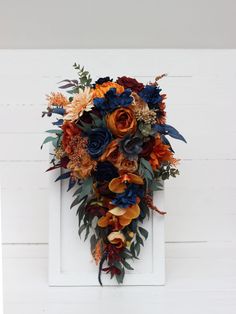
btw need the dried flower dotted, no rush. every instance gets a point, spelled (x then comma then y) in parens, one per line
(147, 116)
(57, 99)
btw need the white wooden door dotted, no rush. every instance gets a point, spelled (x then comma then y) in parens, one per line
(70, 260)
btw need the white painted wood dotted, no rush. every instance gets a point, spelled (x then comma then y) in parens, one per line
(70, 260)
(199, 274)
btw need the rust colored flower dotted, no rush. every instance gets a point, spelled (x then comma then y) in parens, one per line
(69, 131)
(102, 89)
(82, 164)
(118, 217)
(109, 220)
(117, 238)
(131, 213)
(118, 185)
(130, 83)
(161, 153)
(97, 252)
(57, 99)
(122, 122)
(128, 166)
(113, 154)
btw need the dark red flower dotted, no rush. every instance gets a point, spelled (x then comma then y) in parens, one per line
(113, 253)
(130, 83)
(113, 270)
(95, 210)
(147, 148)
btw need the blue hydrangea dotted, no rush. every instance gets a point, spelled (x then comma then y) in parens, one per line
(129, 196)
(151, 95)
(112, 100)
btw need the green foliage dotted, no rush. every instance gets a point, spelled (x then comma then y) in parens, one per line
(145, 171)
(145, 209)
(143, 232)
(120, 277)
(55, 140)
(126, 264)
(84, 76)
(166, 171)
(85, 190)
(96, 123)
(156, 185)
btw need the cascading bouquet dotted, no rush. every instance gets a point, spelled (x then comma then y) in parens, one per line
(111, 144)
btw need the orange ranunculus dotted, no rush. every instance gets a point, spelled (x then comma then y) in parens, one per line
(113, 154)
(101, 89)
(161, 153)
(118, 185)
(121, 122)
(117, 238)
(69, 131)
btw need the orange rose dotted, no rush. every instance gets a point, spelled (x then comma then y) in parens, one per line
(113, 154)
(102, 89)
(82, 166)
(122, 122)
(128, 166)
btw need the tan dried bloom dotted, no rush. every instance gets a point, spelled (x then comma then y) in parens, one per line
(57, 99)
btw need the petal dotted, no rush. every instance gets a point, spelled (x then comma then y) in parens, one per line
(117, 211)
(117, 186)
(135, 179)
(124, 221)
(132, 212)
(104, 221)
(116, 235)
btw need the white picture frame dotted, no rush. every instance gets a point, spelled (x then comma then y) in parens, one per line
(70, 260)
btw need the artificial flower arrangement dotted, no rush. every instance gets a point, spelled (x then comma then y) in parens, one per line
(111, 143)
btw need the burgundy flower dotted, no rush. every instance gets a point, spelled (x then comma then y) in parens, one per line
(95, 210)
(147, 148)
(113, 253)
(130, 83)
(113, 270)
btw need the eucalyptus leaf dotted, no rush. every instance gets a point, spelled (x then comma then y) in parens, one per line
(126, 265)
(143, 232)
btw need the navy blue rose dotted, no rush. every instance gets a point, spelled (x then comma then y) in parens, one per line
(105, 171)
(112, 100)
(131, 147)
(129, 196)
(97, 142)
(151, 95)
